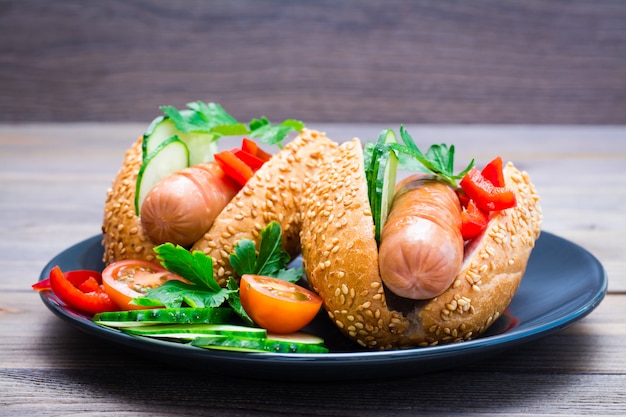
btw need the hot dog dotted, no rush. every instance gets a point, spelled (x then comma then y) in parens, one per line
(182, 206)
(341, 258)
(273, 193)
(421, 248)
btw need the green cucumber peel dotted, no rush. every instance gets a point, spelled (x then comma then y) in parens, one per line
(170, 156)
(193, 330)
(150, 317)
(266, 345)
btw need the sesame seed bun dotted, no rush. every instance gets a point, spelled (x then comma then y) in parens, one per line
(340, 256)
(123, 236)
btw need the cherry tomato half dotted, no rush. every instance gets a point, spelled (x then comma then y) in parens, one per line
(276, 305)
(128, 279)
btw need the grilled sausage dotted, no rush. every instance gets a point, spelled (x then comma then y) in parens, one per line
(182, 206)
(421, 248)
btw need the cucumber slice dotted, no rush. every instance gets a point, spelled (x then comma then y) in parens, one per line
(201, 145)
(160, 130)
(192, 331)
(381, 178)
(297, 337)
(242, 344)
(170, 156)
(385, 188)
(150, 317)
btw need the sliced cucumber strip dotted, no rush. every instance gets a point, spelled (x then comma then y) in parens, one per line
(160, 130)
(201, 145)
(170, 156)
(150, 317)
(192, 331)
(385, 188)
(381, 178)
(242, 344)
(297, 337)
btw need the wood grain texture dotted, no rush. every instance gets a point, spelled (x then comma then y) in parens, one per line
(484, 61)
(53, 179)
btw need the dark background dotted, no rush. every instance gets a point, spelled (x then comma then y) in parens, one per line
(487, 61)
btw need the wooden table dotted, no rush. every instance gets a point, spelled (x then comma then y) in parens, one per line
(53, 180)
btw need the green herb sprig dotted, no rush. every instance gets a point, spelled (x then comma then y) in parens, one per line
(438, 159)
(197, 268)
(212, 118)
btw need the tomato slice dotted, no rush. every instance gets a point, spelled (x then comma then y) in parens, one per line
(128, 279)
(276, 305)
(68, 288)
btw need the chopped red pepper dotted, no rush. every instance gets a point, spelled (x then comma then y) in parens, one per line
(251, 160)
(90, 285)
(252, 148)
(493, 172)
(473, 221)
(234, 167)
(485, 194)
(67, 288)
(43, 285)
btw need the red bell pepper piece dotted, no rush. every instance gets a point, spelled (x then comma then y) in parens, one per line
(486, 195)
(234, 167)
(493, 172)
(252, 161)
(43, 285)
(79, 278)
(90, 285)
(66, 287)
(252, 148)
(473, 221)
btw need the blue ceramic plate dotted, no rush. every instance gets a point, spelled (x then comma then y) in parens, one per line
(563, 283)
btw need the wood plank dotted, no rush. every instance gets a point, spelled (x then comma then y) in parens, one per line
(353, 61)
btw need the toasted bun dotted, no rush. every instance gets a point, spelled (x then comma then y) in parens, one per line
(123, 236)
(340, 256)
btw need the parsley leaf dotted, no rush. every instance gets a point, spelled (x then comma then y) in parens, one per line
(211, 118)
(439, 159)
(271, 260)
(197, 267)
(235, 301)
(199, 117)
(174, 293)
(270, 134)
